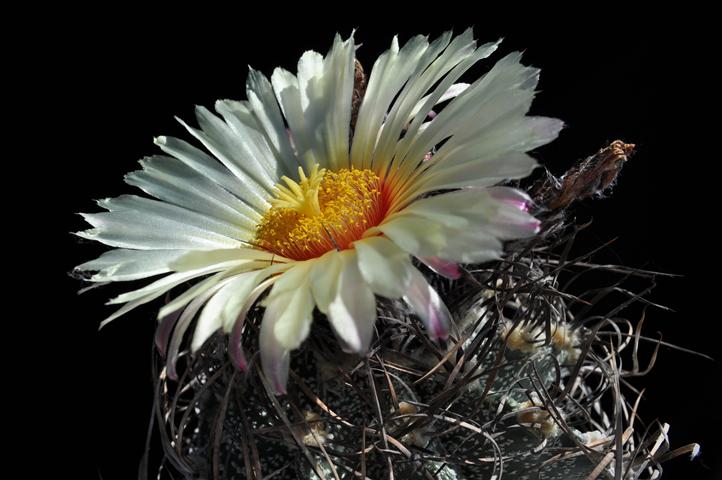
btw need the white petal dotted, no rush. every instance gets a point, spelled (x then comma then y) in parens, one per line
(210, 320)
(489, 156)
(235, 347)
(453, 91)
(145, 224)
(513, 133)
(494, 211)
(291, 299)
(486, 125)
(324, 279)
(223, 308)
(169, 281)
(456, 59)
(130, 306)
(150, 292)
(479, 173)
(463, 226)
(240, 290)
(258, 192)
(242, 122)
(317, 104)
(123, 265)
(508, 87)
(389, 74)
(198, 259)
(384, 266)
(414, 234)
(427, 304)
(241, 149)
(181, 326)
(459, 209)
(286, 322)
(423, 237)
(211, 168)
(188, 295)
(265, 107)
(172, 181)
(275, 358)
(511, 196)
(352, 312)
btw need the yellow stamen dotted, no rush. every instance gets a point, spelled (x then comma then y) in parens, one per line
(301, 197)
(321, 212)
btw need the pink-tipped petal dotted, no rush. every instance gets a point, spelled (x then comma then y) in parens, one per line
(511, 196)
(235, 347)
(512, 218)
(429, 307)
(162, 333)
(274, 358)
(444, 268)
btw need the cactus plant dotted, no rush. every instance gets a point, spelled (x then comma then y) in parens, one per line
(531, 383)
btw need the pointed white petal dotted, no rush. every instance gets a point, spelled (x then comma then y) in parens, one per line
(223, 308)
(265, 107)
(455, 59)
(427, 304)
(172, 181)
(508, 87)
(239, 147)
(385, 267)
(489, 156)
(492, 210)
(154, 290)
(216, 136)
(352, 312)
(424, 237)
(235, 347)
(123, 264)
(389, 74)
(141, 223)
(317, 104)
(291, 299)
(453, 91)
(243, 124)
(169, 281)
(179, 302)
(181, 327)
(211, 168)
(198, 259)
(210, 319)
(130, 306)
(486, 131)
(324, 279)
(479, 173)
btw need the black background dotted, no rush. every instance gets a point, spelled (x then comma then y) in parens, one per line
(104, 87)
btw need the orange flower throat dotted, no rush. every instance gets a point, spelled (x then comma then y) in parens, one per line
(323, 211)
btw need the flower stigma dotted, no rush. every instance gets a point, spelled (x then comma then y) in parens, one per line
(323, 211)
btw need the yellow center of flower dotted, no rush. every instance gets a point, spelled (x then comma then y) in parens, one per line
(321, 212)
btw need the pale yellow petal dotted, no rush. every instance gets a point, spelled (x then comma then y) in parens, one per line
(384, 266)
